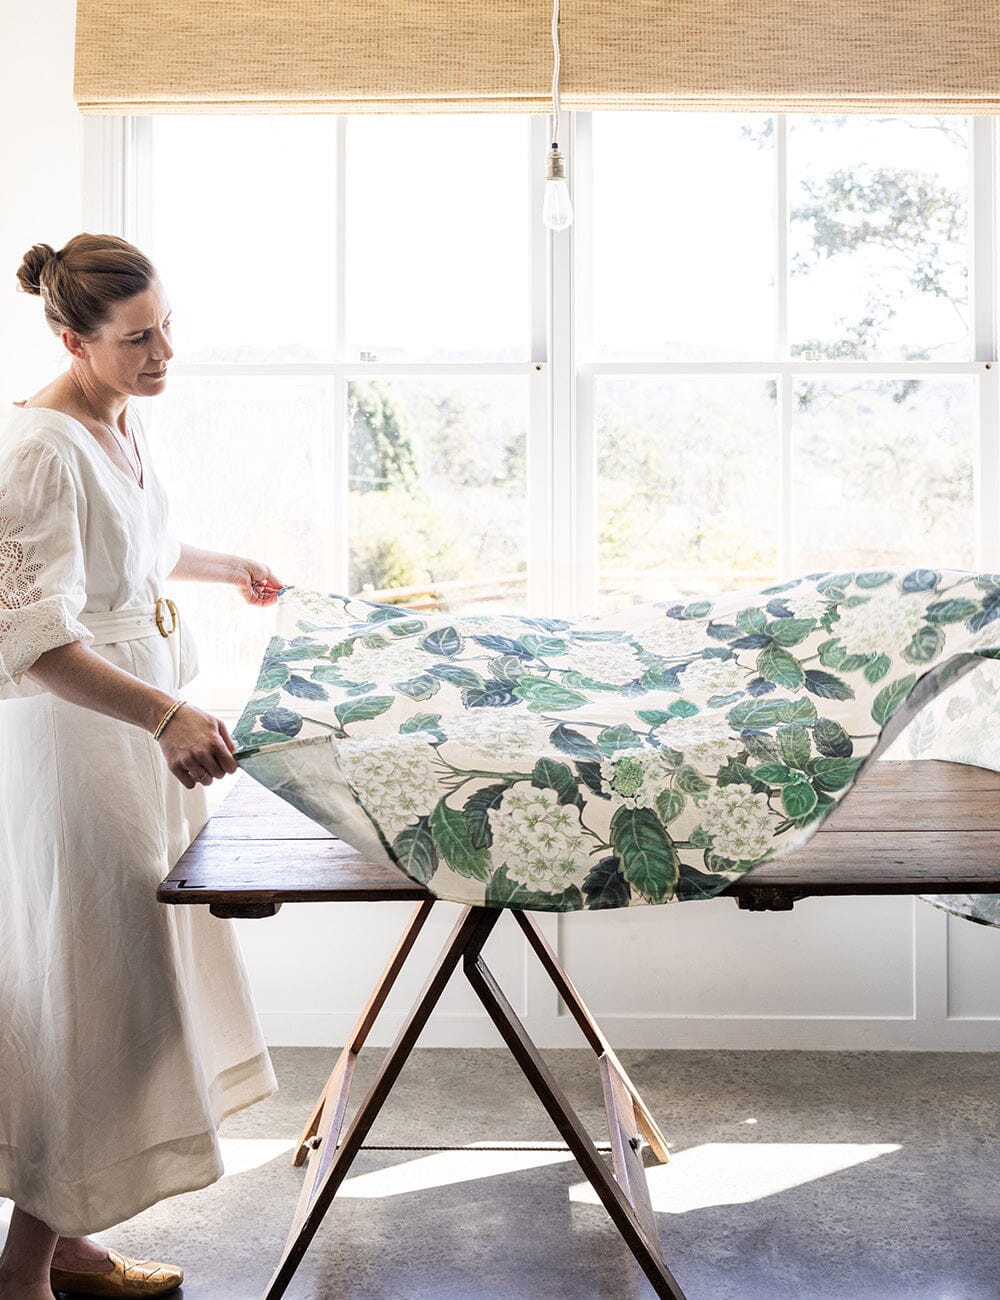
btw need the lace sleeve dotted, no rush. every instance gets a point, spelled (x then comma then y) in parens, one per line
(42, 578)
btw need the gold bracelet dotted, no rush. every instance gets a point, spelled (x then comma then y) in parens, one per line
(166, 718)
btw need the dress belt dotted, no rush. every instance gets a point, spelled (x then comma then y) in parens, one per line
(133, 623)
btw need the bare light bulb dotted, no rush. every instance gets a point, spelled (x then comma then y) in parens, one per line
(557, 210)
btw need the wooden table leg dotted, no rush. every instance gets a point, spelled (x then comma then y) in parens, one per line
(332, 1165)
(634, 1221)
(332, 1101)
(591, 1030)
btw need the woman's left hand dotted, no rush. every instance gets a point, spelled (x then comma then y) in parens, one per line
(257, 583)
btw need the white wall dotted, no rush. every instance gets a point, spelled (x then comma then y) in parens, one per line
(838, 973)
(40, 176)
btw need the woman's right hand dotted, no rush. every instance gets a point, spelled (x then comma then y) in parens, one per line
(198, 748)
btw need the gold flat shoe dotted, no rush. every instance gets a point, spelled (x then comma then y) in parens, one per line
(128, 1277)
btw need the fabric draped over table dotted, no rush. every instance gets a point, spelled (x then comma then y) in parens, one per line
(649, 756)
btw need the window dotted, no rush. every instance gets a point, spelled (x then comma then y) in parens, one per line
(766, 346)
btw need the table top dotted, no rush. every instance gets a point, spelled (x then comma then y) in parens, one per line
(905, 828)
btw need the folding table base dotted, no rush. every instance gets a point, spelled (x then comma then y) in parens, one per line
(328, 1156)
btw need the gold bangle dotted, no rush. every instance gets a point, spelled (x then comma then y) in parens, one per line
(166, 718)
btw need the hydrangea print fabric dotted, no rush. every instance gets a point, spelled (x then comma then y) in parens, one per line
(650, 757)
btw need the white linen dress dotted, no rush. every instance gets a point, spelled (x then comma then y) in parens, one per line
(127, 1027)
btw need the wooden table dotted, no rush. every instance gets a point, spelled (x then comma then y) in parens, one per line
(905, 828)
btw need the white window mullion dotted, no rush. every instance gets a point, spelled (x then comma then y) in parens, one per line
(340, 487)
(983, 318)
(562, 398)
(586, 484)
(539, 447)
(785, 381)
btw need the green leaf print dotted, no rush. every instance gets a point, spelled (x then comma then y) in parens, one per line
(543, 696)
(648, 856)
(827, 686)
(927, 644)
(477, 813)
(791, 631)
(507, 668)
(878, 578)
(544, 646)
(253, 710)
(273, 673)
(776, 774)
(877, 669)
(501, 891)
(611, 739)
(442, 641)
(550, 775)
(834, 773)
(801, 710)
(670, 805)
(891, 697)
(952, 611)
(756, 713)
(453, 841)
(778, 666)
(415, 850)
(605, 886)
(794, 745)
(574, 743)
(831, 739)
(363, 710)
(691, 781)
(418, 688)
(798, 799)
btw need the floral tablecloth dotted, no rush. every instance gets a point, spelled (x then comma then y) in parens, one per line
(651, 756)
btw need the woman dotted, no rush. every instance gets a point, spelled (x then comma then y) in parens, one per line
(127, 1029)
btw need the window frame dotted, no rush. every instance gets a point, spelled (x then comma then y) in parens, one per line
(562, 476)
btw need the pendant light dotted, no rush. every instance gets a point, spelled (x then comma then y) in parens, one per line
(557, 210)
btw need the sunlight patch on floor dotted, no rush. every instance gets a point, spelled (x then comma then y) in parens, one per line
(242, 1154)
(733, 1173)
(444, 1168)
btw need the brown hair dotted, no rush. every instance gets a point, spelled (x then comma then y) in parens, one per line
(79, 283)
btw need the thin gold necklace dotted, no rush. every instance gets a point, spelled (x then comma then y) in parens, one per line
(135, 465)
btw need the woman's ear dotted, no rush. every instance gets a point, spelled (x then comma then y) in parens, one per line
(74, 344)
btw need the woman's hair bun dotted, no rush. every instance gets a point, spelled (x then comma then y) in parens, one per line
(29, 273)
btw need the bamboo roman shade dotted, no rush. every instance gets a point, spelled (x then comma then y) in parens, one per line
(423, 56)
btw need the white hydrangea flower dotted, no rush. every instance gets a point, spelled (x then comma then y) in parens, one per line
(394, 776)
(634, 777)
(495, 625)
(705, 677)
(804, 604)
(706, 741)
(395, 662)
(885, 624)
(539, 840)
(740, 822)
(606, 661)
(674, 638)
(496, 733)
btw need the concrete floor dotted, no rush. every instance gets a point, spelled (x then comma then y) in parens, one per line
(888, 1187)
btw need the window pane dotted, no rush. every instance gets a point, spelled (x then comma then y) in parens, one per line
(438, 237)
(883, 474)
(683, 236)
(878, 244)
(244, 213)
(248, 466)
(688, 487)
(437, 478)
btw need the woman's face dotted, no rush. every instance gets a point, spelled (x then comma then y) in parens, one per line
(130, 352)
